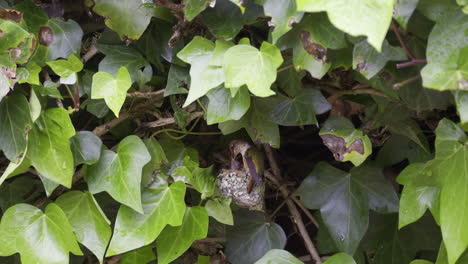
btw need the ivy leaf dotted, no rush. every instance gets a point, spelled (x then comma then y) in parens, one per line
(256, 122)
(15, 192)
(126, 17)
(67, 68)
(222, 106)
(49, 147)
(369, 62)
(244, 64)
(91, 226)
(355, 17)
(119, 174)
(340, 258)
(15, 123)
(174, 241)
(461, 101)
(344, 141)
(118, 56)
(403, 10)
(447, 54)
(33, 16)
(221, 46)
(158, 157)
(345, 198)
(278, 256)
(17, 44)
(283, 15)
(203, 180)
(204, 77)
(177, 81)
(194, 7)
(112, 90)
(86, 148)
(162, 205)
(301, 109)
(139, 256)
(66, 37)
(252, 236)
(39, 237)
(29, 74)
(220, 209)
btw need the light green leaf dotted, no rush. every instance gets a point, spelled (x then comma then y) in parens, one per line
(220, 209)
(203, 181)
(340, 258)
(29, 74)
(126, 17)
(15, 38)
(66, 68)
(86, 148)
(447, 54)
(278, 256)
(369, 62)
(344, 141)
(15, 124)
(118, 56)
(194, 7)
(49, 146)
(252, 236)
(245, 65)
(174, 241)
(139, 256)
(355, 17)
(49, 185)
(162, 205)
(345, 198)
(222, 106)
(221, 46)
(403, 10)
(40, 238)
(91, 226)
(203, 76)
(461, 101)
(283, 15)
(67, 37)
(112, 90)
(420, 261)
(301, 109)
(119, 174)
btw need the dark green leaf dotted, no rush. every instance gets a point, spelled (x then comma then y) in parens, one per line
(139, 256)
(66, 39)
(403, 10)
(118, 56)
(178, 80)
(283, 15)
(220, 209)
(86, 147)
(194, 7)
(222, 106)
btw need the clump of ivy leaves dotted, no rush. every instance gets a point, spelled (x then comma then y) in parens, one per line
(116, 116)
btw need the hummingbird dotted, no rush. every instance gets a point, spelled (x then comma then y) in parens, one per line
(252, 161)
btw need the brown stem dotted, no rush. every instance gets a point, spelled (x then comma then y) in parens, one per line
(72, 96)
(411, 63)
(93, 50)
(405, 82)
(145, 95)
(104, 128)
(114, 259)
(285, 68)
(400, 39)
(277, 180)
(171, 120)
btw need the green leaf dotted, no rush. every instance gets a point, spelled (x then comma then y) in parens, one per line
(220, 209)
(17, 168)
(344, 141)
(252, 237)
(162, 205)
(139, 256)
(66, 68)
(447, 54)
(158, 157)
(49, 146)
(225, 19)
(403, 10)
(244, 64)
(112, 90)
(177, 81)
(86, 148)
(256, 122)
(15, 123)
(33, 16)
(301, 109)
(96, 107)
(415, 199)
(15, 38)
(340, 258)
(204, 77)
(221, 46)
(118, 56)
(49, 185)
(222, 106)
(29, 74)
(174, 241)
(283, 15)
(461, 101)
(355, 17)
(126, 17)
(442, 256)
(18, 191)
(39, 237)
(203, 180)
(67, 37)
(119, 174)
(91, 226)
(420, 261)
(344, 199)
(194, 7)
(369, 62)
(278, 256)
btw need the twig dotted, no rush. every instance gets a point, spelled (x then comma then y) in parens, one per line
(171, 120)
(338, 93)
(284, 68)
(93, 50)
(114, 259)
(410, 63)
(104, 128)
(405, 82)
(413, 60)
(277, 179)
(145, 95)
